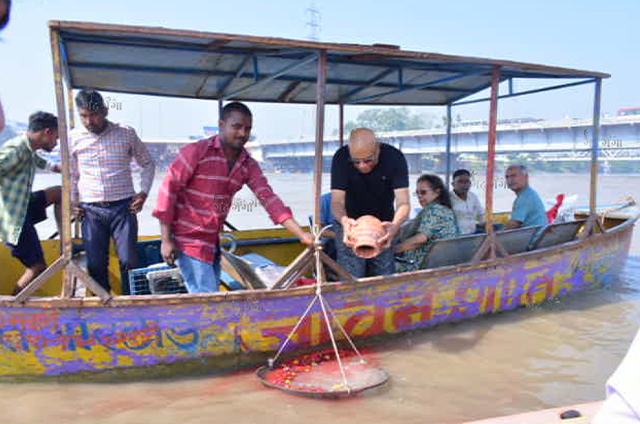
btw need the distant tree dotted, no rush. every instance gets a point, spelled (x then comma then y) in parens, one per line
(391, 119)
(8, 133)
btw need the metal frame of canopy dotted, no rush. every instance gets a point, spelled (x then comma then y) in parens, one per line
(204, 65)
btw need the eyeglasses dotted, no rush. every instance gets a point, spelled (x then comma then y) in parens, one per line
(419, 193)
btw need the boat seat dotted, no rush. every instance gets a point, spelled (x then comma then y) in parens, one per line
(241, 270)
(559, 233)
(453, 251)
(517, 240)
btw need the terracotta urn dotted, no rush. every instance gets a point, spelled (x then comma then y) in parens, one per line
(364, 236)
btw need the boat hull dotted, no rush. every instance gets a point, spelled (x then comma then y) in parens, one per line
(179, 334)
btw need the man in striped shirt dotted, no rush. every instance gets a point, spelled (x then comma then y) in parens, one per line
(197, 193)
(102, 191)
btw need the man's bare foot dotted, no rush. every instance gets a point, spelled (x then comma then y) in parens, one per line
(17, 290)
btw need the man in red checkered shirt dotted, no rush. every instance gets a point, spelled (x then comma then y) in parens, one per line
(197, 193)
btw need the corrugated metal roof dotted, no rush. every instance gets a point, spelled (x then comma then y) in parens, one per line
(192, 64)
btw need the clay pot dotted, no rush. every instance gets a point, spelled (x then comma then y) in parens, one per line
(364, 236)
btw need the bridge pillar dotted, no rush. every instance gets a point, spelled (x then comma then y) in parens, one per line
(414, 163)
(440, 165)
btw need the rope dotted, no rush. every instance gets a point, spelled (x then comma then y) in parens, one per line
(317, 233)
(629, 201)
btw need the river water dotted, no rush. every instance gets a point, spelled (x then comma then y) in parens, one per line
(557, 354)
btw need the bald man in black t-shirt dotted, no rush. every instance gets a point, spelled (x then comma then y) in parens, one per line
(367, 177)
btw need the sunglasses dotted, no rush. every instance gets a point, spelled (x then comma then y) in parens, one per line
(423, 192)
(366, 161)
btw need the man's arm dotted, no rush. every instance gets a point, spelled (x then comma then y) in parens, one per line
(412, 243)
(292, 225)
(400, 185)
(178, 174)
(403, 208)
(275, 207)
(46, 165)
(74, 176)
(518, 214)
(338, 206)
(177, 177)
(339, 210)
(10, 158)
(479, 210)
(143, 158)
(168, 248)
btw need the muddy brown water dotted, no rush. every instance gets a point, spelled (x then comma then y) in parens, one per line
(560, 353)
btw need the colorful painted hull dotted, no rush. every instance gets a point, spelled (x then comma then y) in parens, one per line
(160, 335)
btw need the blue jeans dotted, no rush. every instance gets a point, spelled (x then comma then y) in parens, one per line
(200, 276)
(102, 221)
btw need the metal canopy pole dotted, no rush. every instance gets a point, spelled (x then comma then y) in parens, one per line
(594, 146)
(490, 245)
(308, 256)
(448, 171)
(522, 93)
(65, 230)
(71, 106)
(491, 151)
(341, 131)
(593, 222)
(320, 99)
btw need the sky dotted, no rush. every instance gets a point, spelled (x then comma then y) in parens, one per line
(589, 35)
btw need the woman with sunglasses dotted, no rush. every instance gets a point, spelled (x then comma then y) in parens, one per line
(436, 220)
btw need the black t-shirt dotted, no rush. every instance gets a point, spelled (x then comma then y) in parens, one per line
(372, 193)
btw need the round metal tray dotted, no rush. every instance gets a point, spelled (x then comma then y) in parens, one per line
(318, 375)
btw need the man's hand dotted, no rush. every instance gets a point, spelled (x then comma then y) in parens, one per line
(307, 239)
(347, 224)
(137, 202)
(169, 252)
(77, 210)
(392, 230)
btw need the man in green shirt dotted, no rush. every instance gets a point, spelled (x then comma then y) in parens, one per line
(20, 209)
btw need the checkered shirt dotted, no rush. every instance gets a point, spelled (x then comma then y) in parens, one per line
(101, 164)
(17, 169)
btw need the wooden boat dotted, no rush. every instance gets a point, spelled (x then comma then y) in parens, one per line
(587, 412)
(57, 334)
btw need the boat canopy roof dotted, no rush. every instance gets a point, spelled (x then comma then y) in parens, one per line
(207, 65)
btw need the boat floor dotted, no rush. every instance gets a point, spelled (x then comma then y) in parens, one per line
(547, 416)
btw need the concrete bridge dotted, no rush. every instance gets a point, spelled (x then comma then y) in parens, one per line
(550, 141)
(567, 140)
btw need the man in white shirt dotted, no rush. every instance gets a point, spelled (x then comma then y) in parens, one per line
(469, 211)
(623, 391)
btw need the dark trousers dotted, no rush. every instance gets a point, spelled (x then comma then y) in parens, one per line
(101, 222)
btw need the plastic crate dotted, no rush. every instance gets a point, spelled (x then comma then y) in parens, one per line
(166, 281)
(139, 284)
